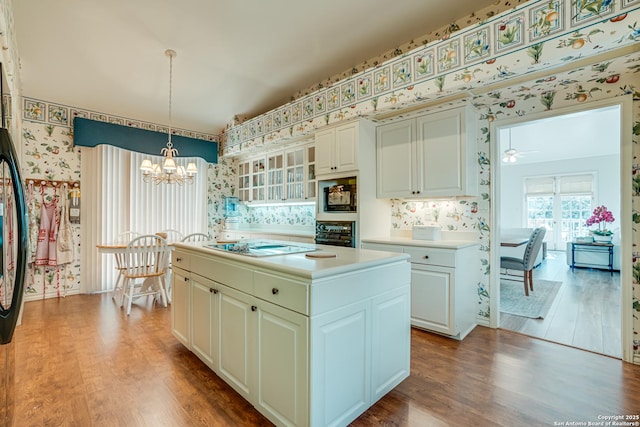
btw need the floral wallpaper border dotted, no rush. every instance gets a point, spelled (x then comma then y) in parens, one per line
(52, 114)
(513, 43)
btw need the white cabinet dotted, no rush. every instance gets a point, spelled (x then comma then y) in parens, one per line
(428, 156)
(275, 175)
(283, 175)
(443, 286)
(244, 181)
(281, 371)
(337, 149)
(180, 302)
(237, 340)
(297, 363)
(204, 316)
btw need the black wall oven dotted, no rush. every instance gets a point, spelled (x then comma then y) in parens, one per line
(336, 233)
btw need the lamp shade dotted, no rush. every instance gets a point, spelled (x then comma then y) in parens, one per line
(169, 165)
(192, 168)
(146, 166)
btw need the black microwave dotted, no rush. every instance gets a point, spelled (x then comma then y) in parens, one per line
(340, 198)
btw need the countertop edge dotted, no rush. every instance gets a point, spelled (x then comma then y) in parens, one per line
(404, 241)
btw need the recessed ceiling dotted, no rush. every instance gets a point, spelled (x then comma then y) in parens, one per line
(241, 57)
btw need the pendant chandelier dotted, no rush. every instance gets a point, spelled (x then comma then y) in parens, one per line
(169, 172)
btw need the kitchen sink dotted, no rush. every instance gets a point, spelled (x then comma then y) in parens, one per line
(260, 248)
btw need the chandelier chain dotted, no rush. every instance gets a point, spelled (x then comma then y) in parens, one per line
(171, 54)
(169, 172)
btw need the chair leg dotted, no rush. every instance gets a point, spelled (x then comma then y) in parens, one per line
(114, 295)
(130, 296)
(163, 293)
(531, 279)
(526, 285)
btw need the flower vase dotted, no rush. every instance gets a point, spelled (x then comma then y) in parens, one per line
(602, 239)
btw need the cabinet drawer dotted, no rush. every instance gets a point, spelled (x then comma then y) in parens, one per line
(282, 291)
(431, 256)
(181, 260)
(382, 247)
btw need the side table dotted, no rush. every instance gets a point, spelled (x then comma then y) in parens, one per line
(591, 247)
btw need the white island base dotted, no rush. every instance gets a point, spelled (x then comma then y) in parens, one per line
(308, 342)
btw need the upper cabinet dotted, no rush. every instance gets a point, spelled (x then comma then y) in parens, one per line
(427, 156)
(337, 149)
(281, 176)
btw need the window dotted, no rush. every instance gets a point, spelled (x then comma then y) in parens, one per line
(115, 199)
(559, 200)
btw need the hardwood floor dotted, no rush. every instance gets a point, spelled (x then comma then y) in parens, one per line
(585, 314)
(81, 362)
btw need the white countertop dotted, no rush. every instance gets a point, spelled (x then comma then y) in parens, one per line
(407, 241)
(346, 260)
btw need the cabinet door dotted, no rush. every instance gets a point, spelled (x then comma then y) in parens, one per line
(204, 320)
(258, 180)
(441, 153)
(395, 147)
(325, 151)
(295, 175)
(275, 182)
(431, 294)
(282, 381)
(341, 346)
(237, 340)
(311, 173)
(180, 298)
(244, 181)
(346, 147)
(391, 350)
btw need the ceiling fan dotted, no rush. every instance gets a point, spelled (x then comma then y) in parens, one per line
(511, 155)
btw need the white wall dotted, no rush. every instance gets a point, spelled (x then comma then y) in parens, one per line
(606, 168)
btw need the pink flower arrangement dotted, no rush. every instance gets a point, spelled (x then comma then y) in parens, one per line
(601, 215)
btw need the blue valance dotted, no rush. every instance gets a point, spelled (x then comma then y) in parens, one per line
(89, 133)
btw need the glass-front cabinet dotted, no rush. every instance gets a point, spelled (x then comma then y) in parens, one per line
(257, 180)
(275, 170)
(244, 181)
(295, 174)
(311, 172)
(280, 176)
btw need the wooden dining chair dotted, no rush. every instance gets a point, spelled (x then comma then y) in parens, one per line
(122, 238)
(196, 237)
(146, 258)
(172, 235)
(527, 262)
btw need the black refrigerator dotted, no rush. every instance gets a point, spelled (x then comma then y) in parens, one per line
(13, 262)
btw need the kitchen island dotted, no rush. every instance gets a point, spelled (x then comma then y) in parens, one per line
(307, 341)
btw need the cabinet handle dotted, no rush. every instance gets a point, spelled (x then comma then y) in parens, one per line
(178, 259)
(215, 291)
(418, 192)
(426, 257)
(186, 279)
(254, 308)
(275, 291)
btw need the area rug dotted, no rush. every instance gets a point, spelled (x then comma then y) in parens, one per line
(535, 306)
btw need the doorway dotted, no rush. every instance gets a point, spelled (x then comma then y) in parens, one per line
(556, 168)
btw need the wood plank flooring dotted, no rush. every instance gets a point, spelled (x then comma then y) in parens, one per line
(585, 314)
(81, 362)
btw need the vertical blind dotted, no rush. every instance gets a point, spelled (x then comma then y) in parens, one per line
(115, 199)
